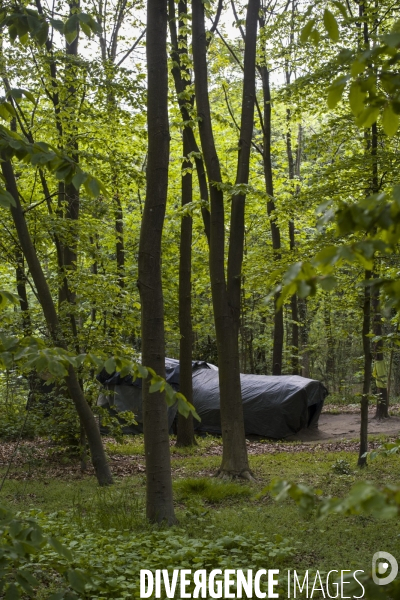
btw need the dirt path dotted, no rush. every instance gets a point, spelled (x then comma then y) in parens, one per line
(345, 427)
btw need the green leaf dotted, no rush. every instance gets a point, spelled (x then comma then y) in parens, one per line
(77, 580)
(57, 24)
(357, 67)
(331, 25)
(28, 577)
(12, 593)
(78, 179)
(92, 186)
(71, 28)
(110, 365)
(7, 298)
(341, 7)
(356, 98)
(368, 116)
(157, 386)
(60, 548)
(29, 96)
(335, 91)
(6, 200)
(86, 29)
(142, 371)
(34, 25)
(390, 121)
(305, 32)
(6, 110)
(328, 283)
(42, 36)
(57, 369)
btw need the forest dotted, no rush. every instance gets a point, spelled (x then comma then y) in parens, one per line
(207, 190)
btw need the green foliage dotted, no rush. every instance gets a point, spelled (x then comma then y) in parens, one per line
(341, 467)
(210, 490)
(387, 449)
(22, 542)
(363, 498)
(114, 558)
(118, 508)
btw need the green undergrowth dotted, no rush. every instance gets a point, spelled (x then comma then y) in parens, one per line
(211, 490)
(114, 557)
(134, 446)
(221, 523)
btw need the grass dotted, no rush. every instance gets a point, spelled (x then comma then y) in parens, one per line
(213, 491)
(134, 446)
(210, 510)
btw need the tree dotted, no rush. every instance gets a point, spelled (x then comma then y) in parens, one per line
(181, 74)
(159, 501)
(226, 286)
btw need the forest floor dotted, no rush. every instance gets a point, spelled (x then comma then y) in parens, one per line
(106, 530)
(335, 425)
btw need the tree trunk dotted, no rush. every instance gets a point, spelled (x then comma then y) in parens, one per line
(83, 409)
(185, 436)
(22, 294)
(179, 45)
(362, 461)
(226, 293)
(119, 246)
(330, 357)
(294, 170)
(295, 315)
(159, 500)
(271, 209)
(305, 356)
(382, 407)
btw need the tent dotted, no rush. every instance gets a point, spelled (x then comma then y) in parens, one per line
(273, 406)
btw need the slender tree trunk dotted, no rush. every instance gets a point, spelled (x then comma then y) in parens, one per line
(119, 232)
(271, 209)
(305, 355)
(159, 501)
(362, 461)
(83, 409)
(382, 407)
(330, 358)
(179, 45)
(185, 436)
(294, 170)
(22, 294)
(226, 292)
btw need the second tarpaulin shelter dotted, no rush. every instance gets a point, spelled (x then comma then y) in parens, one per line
(273, 406)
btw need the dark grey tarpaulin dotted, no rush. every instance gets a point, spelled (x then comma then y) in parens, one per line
(274, 406)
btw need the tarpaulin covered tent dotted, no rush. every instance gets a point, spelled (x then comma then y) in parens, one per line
(125, 394)
(273, 406)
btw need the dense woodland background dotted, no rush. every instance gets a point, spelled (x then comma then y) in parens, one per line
(213, 180)
(97, 107)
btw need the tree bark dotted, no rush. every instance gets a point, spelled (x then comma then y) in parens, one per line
(159, 500)
(271, 209)
(226, 291)
(362, 461)
(382, 405)
(83, 409)
(305, 355)
(185, 435)
(330, 357)
(179, 44)
(294, 171)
